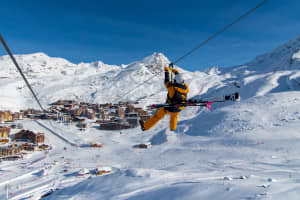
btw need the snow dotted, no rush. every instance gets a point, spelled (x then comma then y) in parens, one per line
(296, 55)
(283, 57)
(237, 150)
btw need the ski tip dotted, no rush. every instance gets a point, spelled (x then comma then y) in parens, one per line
(208, 105)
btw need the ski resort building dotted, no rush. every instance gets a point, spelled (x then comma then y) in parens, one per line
(67, 118)
(30, 136)
(4, 135)
(11, 150)
(77, 112)
(30, 147)
(5, 116)
(104, 114)
(114, 125)
(31, 113)
(132, 118)
(66, 104)
(102, 170)
(18, 116)
(4, 131)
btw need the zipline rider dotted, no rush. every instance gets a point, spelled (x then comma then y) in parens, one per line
(177, 94)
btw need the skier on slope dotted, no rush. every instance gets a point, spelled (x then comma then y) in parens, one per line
(177, 94)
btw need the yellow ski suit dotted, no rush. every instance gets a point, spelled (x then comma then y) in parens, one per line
(176, 94)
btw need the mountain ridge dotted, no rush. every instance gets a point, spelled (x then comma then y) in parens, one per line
(96, 82)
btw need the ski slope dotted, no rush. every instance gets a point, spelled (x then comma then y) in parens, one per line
(244, 150)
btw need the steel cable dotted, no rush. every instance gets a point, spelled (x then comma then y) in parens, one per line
(204, 42)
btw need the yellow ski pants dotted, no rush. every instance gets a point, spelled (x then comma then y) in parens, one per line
(159, 115)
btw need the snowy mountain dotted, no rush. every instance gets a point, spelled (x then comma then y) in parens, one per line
(244, 150)
(284, 57)
(56, 78)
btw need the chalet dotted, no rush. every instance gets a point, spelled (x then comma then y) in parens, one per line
(102, 170)
(30, 136)
(89, 113)
(1, 117)
(115, 125)
(82, 104)
(120, 111)
(41, 116)
(51, 116)
(129, 109)
(132, 118)
(66, 104)
(113, 111)
(69, 107)
(11, 150)
(78, 111)
(6, 116)
(143, 115)
(30, 147)
(57, 113)
(104, 114)
(30, 113)
(95, 107)
(18, 116)
(105, 106)
(67, 118)
(35, 147)
(4, 140)
(44, 147)
(56, 108)
(4, 134)
(121, 103)
(4, 131)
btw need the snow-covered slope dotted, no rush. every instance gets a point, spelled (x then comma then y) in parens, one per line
(244, 150)
(284, 57)
(56, 78)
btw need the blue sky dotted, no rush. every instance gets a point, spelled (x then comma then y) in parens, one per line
(120, 32)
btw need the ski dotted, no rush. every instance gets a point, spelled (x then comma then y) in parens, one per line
(167, 105)
(199, 102)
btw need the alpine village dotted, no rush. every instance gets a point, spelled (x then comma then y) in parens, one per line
(15, 142)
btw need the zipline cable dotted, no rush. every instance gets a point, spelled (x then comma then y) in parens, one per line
(124, 95)
(220, 31)
(204, 42)
(34, 95)
(171, 64)
(20, 70)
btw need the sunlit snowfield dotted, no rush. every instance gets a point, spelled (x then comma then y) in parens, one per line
(237, 150)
